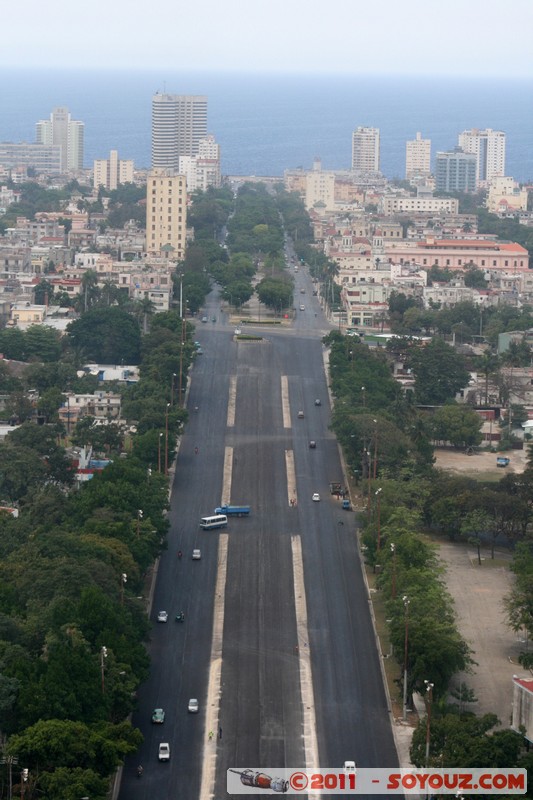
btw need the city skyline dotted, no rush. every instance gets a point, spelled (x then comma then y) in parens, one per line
(383, 38)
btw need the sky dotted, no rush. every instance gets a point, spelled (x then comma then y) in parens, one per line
(403, 37)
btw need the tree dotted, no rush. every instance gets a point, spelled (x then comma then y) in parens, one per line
(106, 335)
(457, 424)
(440, 372)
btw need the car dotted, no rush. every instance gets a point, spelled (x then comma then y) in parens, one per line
(237, 331)
(204, 319)
(318, 402)
(302, 291)
(350, 766)
(197, 345)
(302, 308)
(196, 555)
(158, 716)
(312, 444)
(316, 497)
(192, 708)
(164, 751)
(199, 351)
(162, 616)
(300, 414)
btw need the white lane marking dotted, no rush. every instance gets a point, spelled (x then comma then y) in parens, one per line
(285, 407)
(291, 477)
(304, 659)
(231, 401)
(226, 478)
(207, 785)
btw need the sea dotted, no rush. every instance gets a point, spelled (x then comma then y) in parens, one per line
(267, 123)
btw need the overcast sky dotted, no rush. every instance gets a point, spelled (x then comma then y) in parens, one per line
(455, 37)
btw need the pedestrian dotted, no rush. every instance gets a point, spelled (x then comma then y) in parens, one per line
(219, 732)
(210, 735)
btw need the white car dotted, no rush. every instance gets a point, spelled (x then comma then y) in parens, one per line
(196, 555)
(316, 497)
(349, 766)
(162, 616)
(193, 706)
(302, 308)
(237, 331)
(164, 751)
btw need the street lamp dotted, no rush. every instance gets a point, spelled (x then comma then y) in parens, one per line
(378, 495)
(159, 453)
(406, 607)
(429, 692)
(123, 581)
(103, 656)
(364, 396)
(139, 518)
(166, 438)
(393, 551)
(172, 382)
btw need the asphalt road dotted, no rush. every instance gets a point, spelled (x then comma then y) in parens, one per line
(260, 720)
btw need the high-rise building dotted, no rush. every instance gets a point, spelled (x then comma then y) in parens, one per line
(455, 171)
(179, 122)
(109, 172)
(489, 148)
(417, 157)
(166, 213)
(202, 170)
(365, 149)
(60, 129)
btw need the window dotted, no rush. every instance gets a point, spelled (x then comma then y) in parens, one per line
(506, 263)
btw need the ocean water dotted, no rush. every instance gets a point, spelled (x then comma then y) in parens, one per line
(268, 123)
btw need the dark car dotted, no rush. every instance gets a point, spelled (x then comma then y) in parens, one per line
(312, 444)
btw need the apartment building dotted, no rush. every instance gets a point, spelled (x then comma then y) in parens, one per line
(202, 170)
(112, 171)
(401, 204)
(506, 195)
(166, 213)
(489, 148)
(179, 123)
(455, 171)
(417, 157)
(365, 149)
(62, 130)
(43, 158)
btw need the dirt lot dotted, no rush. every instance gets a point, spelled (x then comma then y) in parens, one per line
(479, 465)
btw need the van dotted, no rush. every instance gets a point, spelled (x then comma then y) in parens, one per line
(214, 521)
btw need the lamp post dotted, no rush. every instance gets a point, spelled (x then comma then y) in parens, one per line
(405, 646)
(123, 582)
(166, 438)
(159, 453)
(364, 396)
(393, 551)
(139, 518)
(378, 495)
(180, 383)
(375, 448)
(429, 692)
(172, 382)
(103, 656)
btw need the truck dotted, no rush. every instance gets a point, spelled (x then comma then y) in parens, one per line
(338, 489)
(233, 511)
(502, 461)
